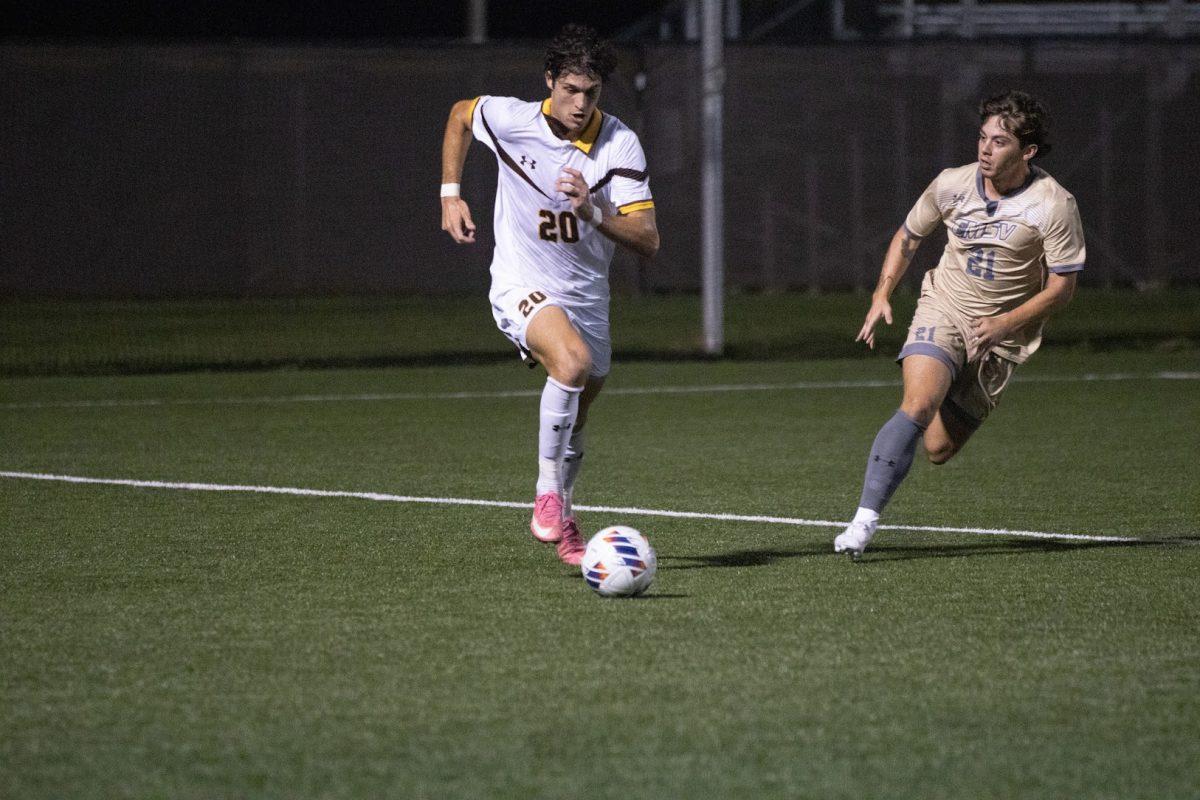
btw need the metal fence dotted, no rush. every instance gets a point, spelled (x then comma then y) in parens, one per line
(252, 170)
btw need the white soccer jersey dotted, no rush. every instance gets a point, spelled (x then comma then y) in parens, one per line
(539, 242)
(999, 250)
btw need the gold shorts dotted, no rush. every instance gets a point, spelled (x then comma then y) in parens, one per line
(975, 387)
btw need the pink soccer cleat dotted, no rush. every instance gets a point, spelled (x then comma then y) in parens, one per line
(547, 522)
(571, 546)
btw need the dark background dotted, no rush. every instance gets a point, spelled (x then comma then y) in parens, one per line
(313, 20)
(162, 150)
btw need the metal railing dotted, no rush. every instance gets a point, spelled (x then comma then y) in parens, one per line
(969, 19)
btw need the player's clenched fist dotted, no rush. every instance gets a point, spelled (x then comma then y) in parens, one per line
(571, 183)
(456, 220)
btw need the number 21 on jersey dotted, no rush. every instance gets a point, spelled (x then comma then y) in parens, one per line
(563, 226)
(981, 263)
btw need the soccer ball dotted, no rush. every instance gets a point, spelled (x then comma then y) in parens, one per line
(619, 562)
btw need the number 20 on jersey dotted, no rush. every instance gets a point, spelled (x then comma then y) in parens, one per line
(563, 226)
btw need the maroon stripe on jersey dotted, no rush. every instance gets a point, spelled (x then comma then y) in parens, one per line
(623, 172)
(507, 159)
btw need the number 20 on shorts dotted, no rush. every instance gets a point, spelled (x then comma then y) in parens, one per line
(528, 304)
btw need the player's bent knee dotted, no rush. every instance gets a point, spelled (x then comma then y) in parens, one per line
(938, 459)
(920, 412)
(572, 367)
(579, 361)
(582, 370)
(940, 453)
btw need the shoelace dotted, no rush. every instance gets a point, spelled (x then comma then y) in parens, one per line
(546, 501)
(571, 540)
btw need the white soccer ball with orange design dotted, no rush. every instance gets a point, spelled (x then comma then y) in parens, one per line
(619, 562)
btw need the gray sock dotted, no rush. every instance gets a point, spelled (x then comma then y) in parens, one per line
(891, 456)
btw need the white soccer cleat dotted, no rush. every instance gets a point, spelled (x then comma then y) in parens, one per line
(855, 539)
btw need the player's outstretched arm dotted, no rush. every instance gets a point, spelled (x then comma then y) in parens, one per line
(899, 255)
(638, 231)
(987, 332)
(456, 216)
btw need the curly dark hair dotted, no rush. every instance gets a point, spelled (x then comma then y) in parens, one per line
(1020, 114)
(579, 49)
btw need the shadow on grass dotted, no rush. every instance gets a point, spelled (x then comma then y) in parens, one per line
(740, 558)
(883, 553)
(1002, 547)
(650, 593)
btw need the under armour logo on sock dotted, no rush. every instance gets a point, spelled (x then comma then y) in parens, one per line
(566, 427)
(890, 462)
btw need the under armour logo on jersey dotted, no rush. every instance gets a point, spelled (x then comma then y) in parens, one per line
(532, 162)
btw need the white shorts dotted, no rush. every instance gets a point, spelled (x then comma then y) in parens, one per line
(514, 307)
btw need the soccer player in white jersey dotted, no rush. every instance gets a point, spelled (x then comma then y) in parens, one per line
(572, 185)
(1015, 248)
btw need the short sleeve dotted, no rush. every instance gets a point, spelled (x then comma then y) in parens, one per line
(925, 215)
(1063, 239)
(493, 118)
(631, 182)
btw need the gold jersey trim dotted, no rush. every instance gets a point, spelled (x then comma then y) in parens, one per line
(587, 139)
(637, 205)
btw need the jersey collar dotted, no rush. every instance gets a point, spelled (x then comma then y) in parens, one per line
(591, 131)
(992, 205)
(1034, 170)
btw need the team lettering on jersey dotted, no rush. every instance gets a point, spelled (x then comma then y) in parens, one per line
(969, 231)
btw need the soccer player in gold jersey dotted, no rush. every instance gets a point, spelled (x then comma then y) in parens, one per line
(1014, 252)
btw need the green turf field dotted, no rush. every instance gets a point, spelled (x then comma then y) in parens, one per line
(91, 337)
(163, 642)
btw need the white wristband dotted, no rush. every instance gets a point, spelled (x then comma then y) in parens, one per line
(597, 216)
(450, 189)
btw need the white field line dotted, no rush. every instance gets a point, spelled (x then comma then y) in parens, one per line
(627, 390)
(464, 501)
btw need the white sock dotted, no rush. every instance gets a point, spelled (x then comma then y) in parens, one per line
(549, 479)
(560, 404)
(868, 515)
(572, 463)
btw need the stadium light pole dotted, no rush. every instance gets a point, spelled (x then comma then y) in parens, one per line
(477, 22)
(712, 188)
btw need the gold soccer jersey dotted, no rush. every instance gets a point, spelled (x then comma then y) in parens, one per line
(999, 250)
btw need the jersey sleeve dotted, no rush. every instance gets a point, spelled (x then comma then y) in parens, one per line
(493, 118)
(925, 215)
(1063, 239)
(630, 182)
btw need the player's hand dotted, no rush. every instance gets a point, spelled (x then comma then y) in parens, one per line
(880, 309)
(571, 183)
(986, 333)
(456, 220)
